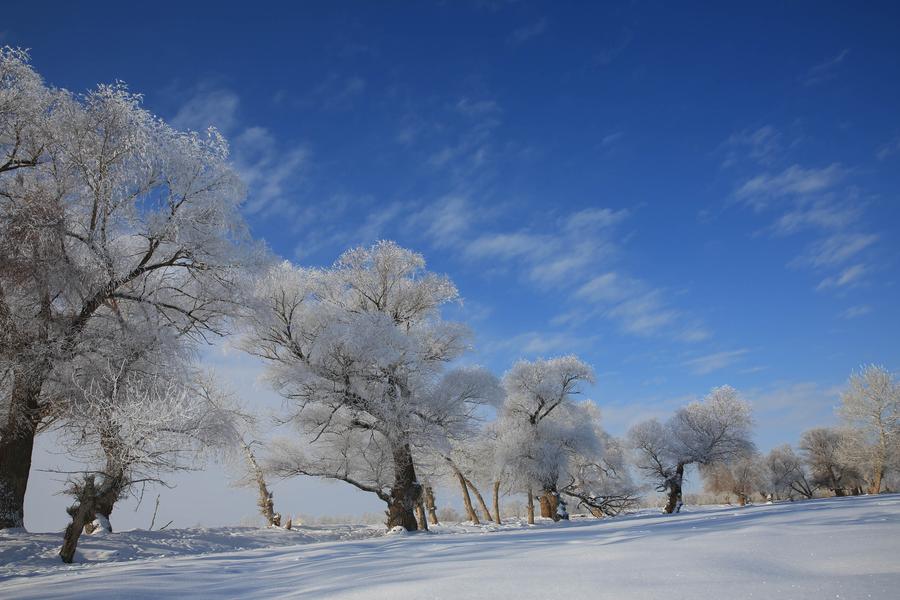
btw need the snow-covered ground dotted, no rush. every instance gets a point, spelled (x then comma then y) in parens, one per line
(834, 548)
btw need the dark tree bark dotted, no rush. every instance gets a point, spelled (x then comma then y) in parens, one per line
(405, 491)
(429, 505)
(81, 512)
(17, 447)
(497, 503)
(530, 507)
(674, 501)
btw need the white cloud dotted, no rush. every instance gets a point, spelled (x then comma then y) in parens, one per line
(208, 107)
(856, 311)
(835, 249)
(826, 70)
(704, 365)
(793, 181)
(760, 145)
(527, 32)
(849, 276)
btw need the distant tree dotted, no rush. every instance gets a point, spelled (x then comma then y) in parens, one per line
(360, 351)
(741, 477)
(787, 473)
(541, 425)
(821, 448)
(871, 409)
(705, 433)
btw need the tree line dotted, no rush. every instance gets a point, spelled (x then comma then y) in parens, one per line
(123, 252)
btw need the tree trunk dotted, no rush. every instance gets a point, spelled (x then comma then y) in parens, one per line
(429, 505)
(405, 491)
(81, 512)
(497, 503)
(420, 515)
(467, 501)
(265, 499)
(875, 488)
(530, 507)
(16, 448)
(552, 506)
(481, 502)
(673, 503)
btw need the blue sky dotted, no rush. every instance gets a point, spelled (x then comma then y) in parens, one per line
(685, 196)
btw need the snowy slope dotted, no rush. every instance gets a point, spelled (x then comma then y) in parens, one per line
(835, 548)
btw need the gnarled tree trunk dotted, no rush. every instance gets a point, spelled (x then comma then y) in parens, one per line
(17, 446)
(674, 501)
(552, 506)
(420, 515)
(82, 512)
(405, 491)
(429, 505)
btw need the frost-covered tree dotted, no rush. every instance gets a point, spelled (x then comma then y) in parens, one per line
(136, 424)
(541, 426)
(107, 215)
(822, 451)
(870, 407)
(741, 477)
(360, 351)
(597, 475)
(787, 473)
(703, 433)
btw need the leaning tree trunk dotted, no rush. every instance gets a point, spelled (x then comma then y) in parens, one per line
(467, 500)
(481, 502)
(405, 491)
(266, 499)
(16, 448)
(530, 507)
(497, 503)
(81, 512)
(673, 503)
(429, 505)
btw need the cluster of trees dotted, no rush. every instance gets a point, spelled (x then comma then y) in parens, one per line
(123, 251)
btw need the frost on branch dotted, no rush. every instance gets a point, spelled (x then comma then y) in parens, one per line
(111, 222)
(705, 433)
(360, 352)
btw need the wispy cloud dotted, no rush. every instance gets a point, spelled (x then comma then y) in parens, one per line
(760, 145)
(703, 365)
(527, 32)
(856, 311)
(826, 70)
(815, 200)
(848, 276)
(759, 191)
(888, 149)
(272, 170)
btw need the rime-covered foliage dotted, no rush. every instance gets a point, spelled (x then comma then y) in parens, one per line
(551, 444)
(822, 450)
(360, 351)
(705, 433)
(113, 226)
(870, 407)
(742, 478)
(788, 475)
